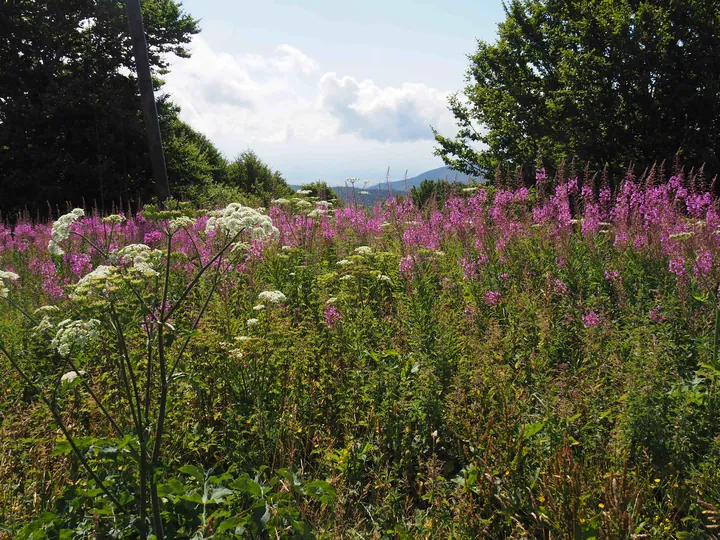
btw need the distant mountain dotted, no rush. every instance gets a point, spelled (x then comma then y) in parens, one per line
(441, 173)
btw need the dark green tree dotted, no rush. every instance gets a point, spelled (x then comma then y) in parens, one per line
(602, 81)
(251, 175)
(320, 190)
(70, 123)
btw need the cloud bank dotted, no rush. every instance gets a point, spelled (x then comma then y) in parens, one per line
(282, 98)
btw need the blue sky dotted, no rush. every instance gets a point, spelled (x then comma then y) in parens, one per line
(324, 89)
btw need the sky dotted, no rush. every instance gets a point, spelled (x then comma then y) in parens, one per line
(326, 90)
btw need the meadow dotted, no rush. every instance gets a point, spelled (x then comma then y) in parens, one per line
(507, 362)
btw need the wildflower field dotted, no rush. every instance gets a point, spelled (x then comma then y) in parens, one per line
(515, 362)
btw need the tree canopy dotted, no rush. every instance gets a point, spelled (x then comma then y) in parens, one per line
(604, 81)
(70, 122)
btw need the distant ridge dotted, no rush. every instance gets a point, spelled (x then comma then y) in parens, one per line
(441, 173)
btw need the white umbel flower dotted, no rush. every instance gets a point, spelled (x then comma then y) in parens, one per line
(274, 297)
(363, 250)
(252, 322)
(181, 222)
(145, 260)
(236, 218)
(61, 230)
(70, 376)
(344, 262)
(6, 277)
(115, 219)
(75, 334)
(95, 282)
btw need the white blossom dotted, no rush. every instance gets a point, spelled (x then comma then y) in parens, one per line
(280, 201)
(259, 307)
(363, 250)
(75, 333)
(274, 297)
(4, 278)
(252, 322)
(382, 277)
(301, 203)
(95, 282)
(180, 223)
(347, 277)
(145, 260)
(236, 218)
(70, 376)
(304, 191)
(61, 230)
(114, 218)
(344, 262)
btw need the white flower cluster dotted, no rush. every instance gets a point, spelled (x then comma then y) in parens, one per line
(236, 218)
(252, 322)
(344, 262)
(75, 333)
(363, 250)
(70, 376)
(302, 203)
(4, 278)
(383, 277)
(61, 230)
(95, 282)
(145, 260)
(114, 219)
(274, 297)
(280, 201)
(180, 223)
(304, 191)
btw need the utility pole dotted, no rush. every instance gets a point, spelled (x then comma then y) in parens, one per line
(147, 95)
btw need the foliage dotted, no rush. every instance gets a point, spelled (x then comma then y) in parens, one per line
(69, 103)
(518, 363)
(607, 82)
(436, 192)
(248, 173)
(320, 190)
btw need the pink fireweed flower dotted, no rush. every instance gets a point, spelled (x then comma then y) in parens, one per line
(677, 267)
(407, 267)
(590, 319)
(492, 298)
(656, 315)
(560, 287)
(612, 274)
(703, 264)
(332, 316)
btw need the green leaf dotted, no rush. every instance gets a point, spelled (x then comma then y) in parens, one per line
(194, 472)
(218, 494)
(247, 485)
(233, 522)
(533, 429)
(321, 491)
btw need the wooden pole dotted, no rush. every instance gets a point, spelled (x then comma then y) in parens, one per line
(147, 95)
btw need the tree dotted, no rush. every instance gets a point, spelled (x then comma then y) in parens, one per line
(320, 190)
(605, 81)
(248, 173)
(70, 122)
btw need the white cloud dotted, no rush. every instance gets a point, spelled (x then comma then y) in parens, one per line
(384, 114)
(282, 105)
